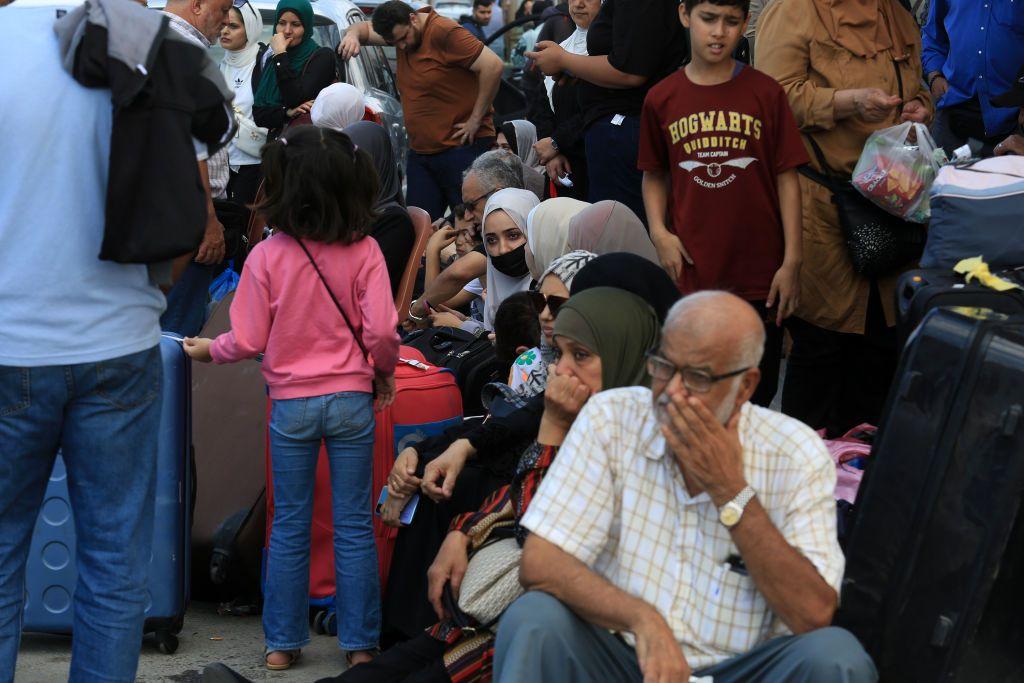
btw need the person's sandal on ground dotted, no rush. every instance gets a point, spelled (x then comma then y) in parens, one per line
(280, 660)
(355, 657)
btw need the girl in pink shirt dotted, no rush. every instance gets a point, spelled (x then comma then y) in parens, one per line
(315, 299)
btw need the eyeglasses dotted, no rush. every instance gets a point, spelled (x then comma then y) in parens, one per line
(694, 379)
(471, 204)
(552, 302)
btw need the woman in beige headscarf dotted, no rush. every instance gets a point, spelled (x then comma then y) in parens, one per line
(849, 67)
(608, 227)
(548, 234)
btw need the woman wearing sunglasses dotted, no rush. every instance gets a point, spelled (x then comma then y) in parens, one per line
(530, 370)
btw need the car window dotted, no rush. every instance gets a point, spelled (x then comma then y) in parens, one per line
(365, 59)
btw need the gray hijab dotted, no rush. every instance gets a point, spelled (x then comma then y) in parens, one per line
(373, 139)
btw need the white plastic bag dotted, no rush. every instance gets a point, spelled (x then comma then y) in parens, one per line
(896, 174)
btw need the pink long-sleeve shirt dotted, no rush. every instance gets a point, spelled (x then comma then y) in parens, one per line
(281, 309)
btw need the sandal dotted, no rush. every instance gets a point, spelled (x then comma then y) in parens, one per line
(293, 656)
(373, 652)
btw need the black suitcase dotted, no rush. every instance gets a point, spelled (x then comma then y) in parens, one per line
(471, 358)
(937, 507)
(919, 291)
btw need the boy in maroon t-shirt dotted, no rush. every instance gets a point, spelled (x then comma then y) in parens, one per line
(719, 148)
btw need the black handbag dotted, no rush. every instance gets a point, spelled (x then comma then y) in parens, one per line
(470, 357)
(878, 242)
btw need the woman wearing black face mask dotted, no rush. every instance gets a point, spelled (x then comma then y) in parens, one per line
(504, 233)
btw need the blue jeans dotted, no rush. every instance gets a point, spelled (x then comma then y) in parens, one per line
(540, 639)
(345, 422)
(435, 180)
(105, 418)
(186, 302)
(611, 163)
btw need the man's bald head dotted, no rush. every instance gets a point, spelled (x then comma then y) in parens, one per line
(723, 324)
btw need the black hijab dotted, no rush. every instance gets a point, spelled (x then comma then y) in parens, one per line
(632, 273)
(373, 139)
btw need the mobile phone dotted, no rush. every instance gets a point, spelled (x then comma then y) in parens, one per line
(405, 519)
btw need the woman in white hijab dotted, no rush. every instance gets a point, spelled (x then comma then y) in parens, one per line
(504, 233)
(242, 68)
(559, 117)
(548, 230)
(338, 106)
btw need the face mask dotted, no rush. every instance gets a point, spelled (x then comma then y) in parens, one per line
(513, 263)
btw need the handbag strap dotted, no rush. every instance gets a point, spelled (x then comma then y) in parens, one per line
(337, 305)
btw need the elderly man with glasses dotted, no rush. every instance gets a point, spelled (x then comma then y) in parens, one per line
(684, 530)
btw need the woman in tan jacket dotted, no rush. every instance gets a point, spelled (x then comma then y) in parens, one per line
(849, 67)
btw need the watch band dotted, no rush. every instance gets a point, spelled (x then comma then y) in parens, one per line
(744, 497)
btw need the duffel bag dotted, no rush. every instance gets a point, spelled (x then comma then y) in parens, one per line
(470, 357)
(977, 210)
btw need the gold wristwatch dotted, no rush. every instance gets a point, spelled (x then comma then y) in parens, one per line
(731, 513)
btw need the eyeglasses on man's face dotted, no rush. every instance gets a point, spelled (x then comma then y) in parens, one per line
(697, 380)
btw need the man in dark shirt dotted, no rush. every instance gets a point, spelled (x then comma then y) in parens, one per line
(480, 18)
(631, 45)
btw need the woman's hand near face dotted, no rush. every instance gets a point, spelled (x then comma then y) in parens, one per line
(564, 398)
(278, 43)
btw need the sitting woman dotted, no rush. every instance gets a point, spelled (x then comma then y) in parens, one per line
(297, 71)
(337, 107)
(519, 137)
(392, 228)
(454, 468)
(530, 370)
(602, 337)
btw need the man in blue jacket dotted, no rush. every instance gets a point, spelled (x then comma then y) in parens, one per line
(971, 52)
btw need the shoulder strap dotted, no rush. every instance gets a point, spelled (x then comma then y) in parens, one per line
(257, 69)
(355, 335)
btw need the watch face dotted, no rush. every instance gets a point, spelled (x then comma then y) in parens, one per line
(729, 515)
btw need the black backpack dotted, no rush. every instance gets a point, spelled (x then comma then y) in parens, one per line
(470, 357)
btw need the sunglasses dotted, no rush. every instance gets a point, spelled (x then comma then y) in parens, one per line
(552, 303)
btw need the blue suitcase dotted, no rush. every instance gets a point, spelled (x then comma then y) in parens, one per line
(51, 574)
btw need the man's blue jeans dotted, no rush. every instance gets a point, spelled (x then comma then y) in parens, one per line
(186, 302)
(104, 417)
(345, 422)
(435, 180)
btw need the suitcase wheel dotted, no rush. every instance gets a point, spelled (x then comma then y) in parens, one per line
(331, 623)
(166, 642)
(318, 621)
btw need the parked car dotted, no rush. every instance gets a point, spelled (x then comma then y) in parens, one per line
(369, 71)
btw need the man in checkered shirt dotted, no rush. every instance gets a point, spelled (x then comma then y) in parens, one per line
(684, 530)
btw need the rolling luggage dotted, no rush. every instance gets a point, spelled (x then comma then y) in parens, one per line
(933, 583)
(427, 401)
(919, 291)
(229, 423)
(51, 575)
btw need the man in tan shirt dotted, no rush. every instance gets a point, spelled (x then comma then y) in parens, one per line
(448, 83)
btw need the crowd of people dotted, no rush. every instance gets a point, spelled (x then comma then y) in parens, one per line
(643, 250)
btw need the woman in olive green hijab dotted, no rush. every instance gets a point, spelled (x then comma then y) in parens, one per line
(606, 332)
(297, 70)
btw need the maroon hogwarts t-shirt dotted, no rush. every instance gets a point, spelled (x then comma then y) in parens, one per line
(724, 147)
